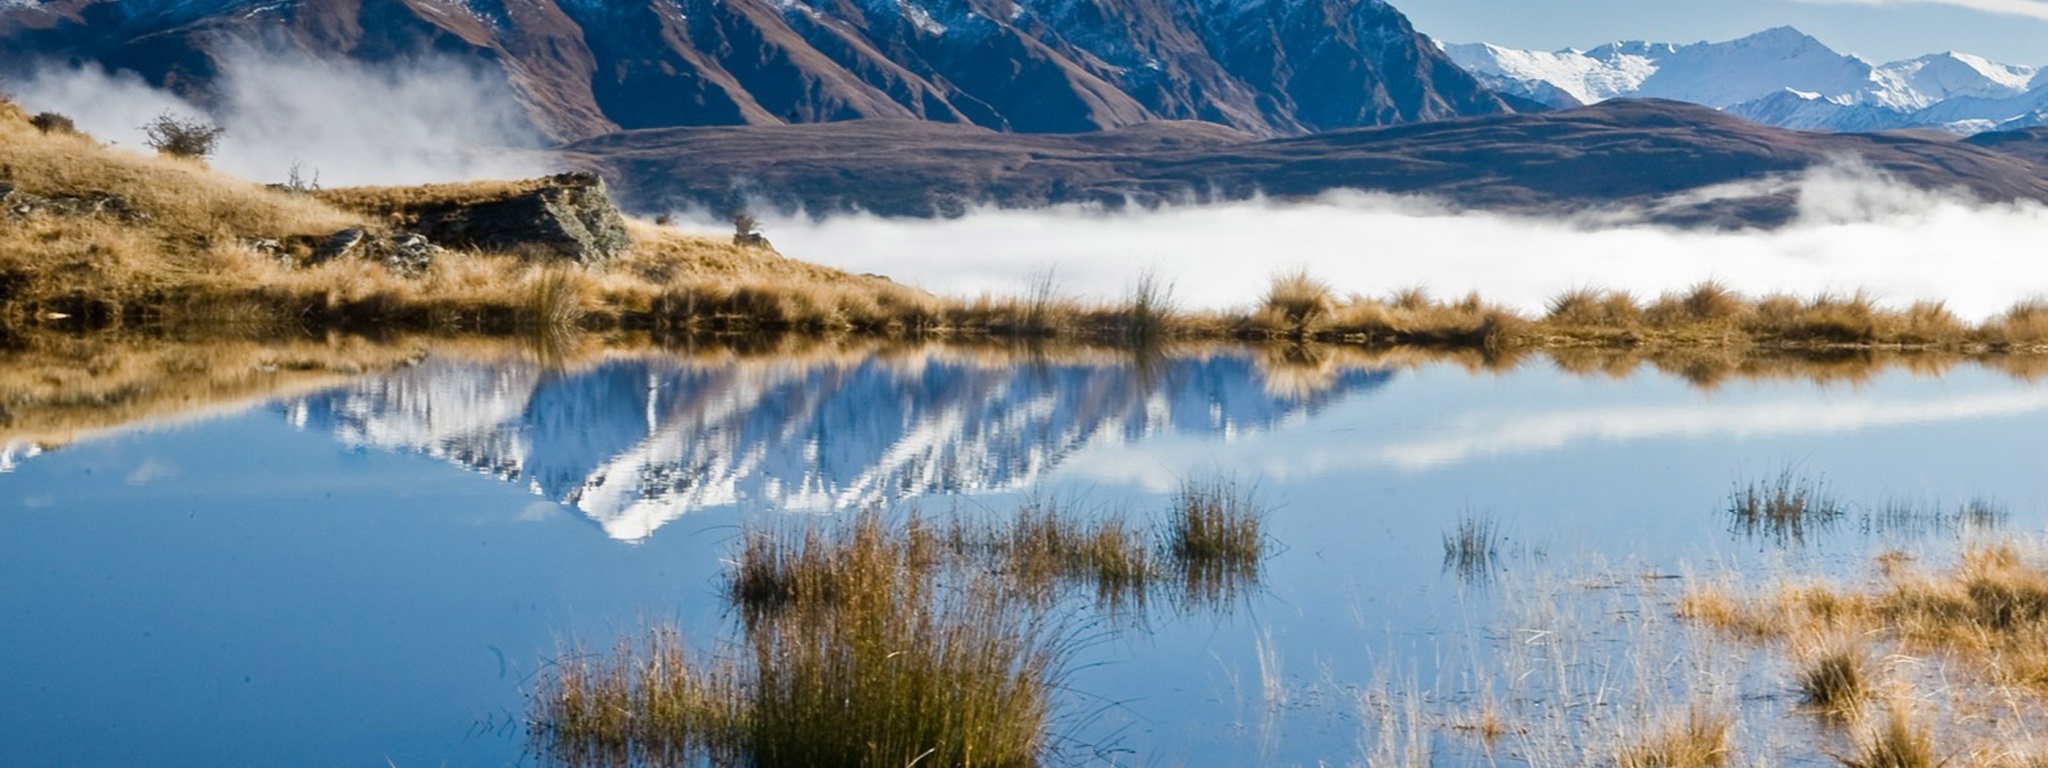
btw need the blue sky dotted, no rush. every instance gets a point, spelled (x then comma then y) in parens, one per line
(2012, 31)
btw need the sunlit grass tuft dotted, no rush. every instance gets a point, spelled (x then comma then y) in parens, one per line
(1898, 739)
(1214, 539)
(1834, 676)
(1701, 740)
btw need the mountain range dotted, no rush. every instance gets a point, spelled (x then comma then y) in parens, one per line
(583, 68)
(1623, 160)
(1780, 77)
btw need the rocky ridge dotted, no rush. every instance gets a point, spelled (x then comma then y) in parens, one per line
(585, 68)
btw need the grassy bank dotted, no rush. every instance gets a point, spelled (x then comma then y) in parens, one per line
(188, 245)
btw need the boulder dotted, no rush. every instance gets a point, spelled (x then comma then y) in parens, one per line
(348, 242)
(406, 254)
(568, 216)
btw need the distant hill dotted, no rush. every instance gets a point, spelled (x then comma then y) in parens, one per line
(1656, 157)
(588, 67)
(1780, 77)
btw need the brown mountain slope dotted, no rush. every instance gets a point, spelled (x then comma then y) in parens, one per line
(586, 67)
(1662, 158)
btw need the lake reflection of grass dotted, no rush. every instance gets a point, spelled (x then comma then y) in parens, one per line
(55, 387)
(866, 641)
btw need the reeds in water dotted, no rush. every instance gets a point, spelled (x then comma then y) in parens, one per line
(1214, 540)
(1471, 547)
(1785, 507)
(866, 642)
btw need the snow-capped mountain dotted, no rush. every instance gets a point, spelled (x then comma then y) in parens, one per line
(634, 443)
(590, 67)
(1780, 77)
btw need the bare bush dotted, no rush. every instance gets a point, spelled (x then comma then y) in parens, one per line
(176, 136)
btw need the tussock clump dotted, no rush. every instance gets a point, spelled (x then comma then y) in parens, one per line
(1701, 740)
(1297, 302)
(1710, 303)
(2024, 325)
(1214, 539)
(1897, 740)
(1590, 308)
(857, 650)
(866, 642)
(1833, 676)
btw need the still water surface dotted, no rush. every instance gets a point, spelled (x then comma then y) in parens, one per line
(373, 574)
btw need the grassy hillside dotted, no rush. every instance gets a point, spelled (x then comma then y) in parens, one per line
(186, 244)
(146, 241)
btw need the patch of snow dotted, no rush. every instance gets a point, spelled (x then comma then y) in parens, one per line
(922, 18)
(1779, 76)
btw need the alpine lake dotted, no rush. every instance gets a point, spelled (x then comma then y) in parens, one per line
(376, 553)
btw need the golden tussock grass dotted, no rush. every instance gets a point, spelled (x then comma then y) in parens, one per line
(879, 662)
(860, 642)
(1702, 739)
(1898, 739)
(1834, 674)
(1988, 611)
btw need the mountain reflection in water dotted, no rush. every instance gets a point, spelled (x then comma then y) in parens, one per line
(634, 442)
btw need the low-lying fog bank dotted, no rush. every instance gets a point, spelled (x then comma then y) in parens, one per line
(1856, 230)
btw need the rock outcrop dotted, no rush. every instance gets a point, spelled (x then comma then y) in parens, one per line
(567, 216)
(406, 254)
(21, 204)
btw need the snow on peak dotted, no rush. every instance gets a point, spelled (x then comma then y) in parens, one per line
(1780, 76)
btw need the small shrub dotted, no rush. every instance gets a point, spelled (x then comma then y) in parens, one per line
(51, 122)
(176, 136)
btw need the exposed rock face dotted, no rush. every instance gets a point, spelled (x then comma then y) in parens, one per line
(406, 254)
(568, 216)
(20, 204)
(584, 68)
